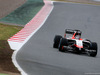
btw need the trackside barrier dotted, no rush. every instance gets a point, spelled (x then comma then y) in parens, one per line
(19, 39)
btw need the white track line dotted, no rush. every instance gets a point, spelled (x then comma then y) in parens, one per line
(15, 52)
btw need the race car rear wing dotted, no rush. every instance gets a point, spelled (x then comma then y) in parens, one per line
(70, 31)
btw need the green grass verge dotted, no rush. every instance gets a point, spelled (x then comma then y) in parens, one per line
(3, 74)
(6, 31)
(81, 2)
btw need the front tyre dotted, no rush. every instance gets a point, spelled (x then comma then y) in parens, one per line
(63, 42)
(93, 49)
(56, 41)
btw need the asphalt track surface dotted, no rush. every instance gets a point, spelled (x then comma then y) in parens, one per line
(38, 57)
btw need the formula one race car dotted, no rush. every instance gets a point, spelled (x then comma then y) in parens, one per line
(74, 43)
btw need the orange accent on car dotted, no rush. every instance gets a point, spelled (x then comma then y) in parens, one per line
(73, 37)
(62, 47)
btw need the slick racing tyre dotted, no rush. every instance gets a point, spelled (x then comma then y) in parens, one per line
(56, 41)
(93, 49)
(63, 42)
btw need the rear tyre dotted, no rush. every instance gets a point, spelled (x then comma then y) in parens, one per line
(56, 41)
(93, 49)
(63, 42)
